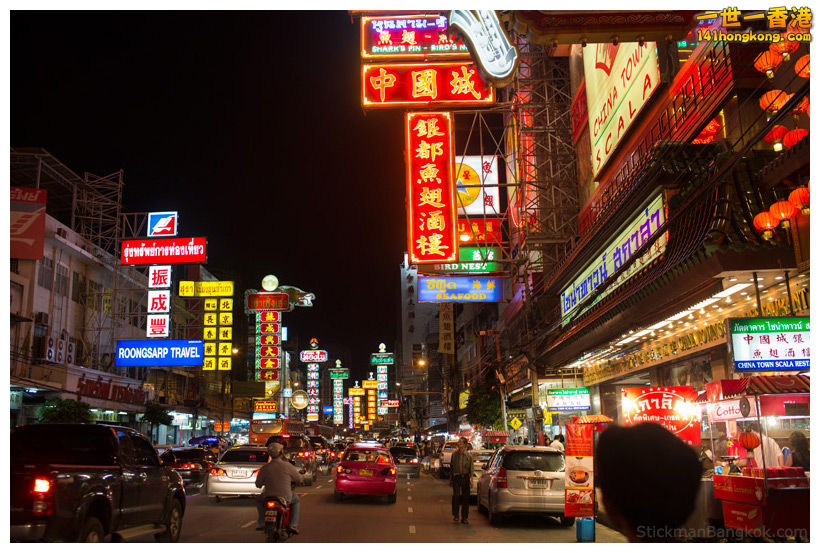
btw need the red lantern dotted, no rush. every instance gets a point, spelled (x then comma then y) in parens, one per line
(784, 48)
(773, 100)
(767, 61)
(795, 136)
(748, 440)
(799, 198)
(775, 136)
(801, 66)
(783, 210)
(802, 106)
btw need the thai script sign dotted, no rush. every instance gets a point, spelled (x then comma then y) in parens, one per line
(409, 36)
(28, 222)
(424, 85)
(159, 353)
(672, 407)
(263, 301)
(205, 288)
(460, 289)
(568, 399)
(163, 250)
(313, 356)
(110, 390)
(770, 344)
(616, 253)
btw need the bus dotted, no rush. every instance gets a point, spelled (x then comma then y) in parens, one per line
(316, 429)
(262, 429)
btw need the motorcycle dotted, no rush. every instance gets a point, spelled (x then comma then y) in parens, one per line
(277, 519)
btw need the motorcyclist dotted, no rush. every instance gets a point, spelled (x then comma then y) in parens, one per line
(276, 478)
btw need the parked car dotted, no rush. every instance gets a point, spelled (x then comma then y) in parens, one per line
(322, 449)
(235, 473)
(300, 452)
(407, 461)
(480, 457)
(523, 479)
(192, 463)
(366, 469)
(444, 459)
(84, 482)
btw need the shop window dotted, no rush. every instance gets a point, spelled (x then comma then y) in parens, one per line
(78, 288)
(15, 266)
(61, 280)
(46, 273)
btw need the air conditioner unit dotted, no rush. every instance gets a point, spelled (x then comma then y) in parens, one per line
(59, 356)
(41, 318)
(51, 349)
(61, 232)
(70, 352)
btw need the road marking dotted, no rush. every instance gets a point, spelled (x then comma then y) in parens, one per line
(248, 524)
(412, 529)
(409, 498)
(409, 509)
(319, 486)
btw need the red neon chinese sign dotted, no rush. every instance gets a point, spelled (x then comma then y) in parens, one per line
(424, 85)
(480, 231)
(431, 191)
(409, 36)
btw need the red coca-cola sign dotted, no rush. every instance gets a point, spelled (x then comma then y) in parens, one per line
(673, 407)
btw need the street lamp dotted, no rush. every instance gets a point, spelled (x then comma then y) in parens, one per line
(235, 351)
(422, 362)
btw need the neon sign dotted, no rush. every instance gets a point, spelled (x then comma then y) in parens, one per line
(424, 85)
(479, 231)
(431, 209)
(410, 36)
(488, 42)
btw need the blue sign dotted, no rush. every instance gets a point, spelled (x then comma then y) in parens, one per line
(159, 353)
(327, 410)
(163, 223)
(460, 289)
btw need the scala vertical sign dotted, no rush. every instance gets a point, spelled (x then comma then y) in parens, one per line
(431, 209)
(28, 222)
(424, 85)
(620, 79)
(672, 407)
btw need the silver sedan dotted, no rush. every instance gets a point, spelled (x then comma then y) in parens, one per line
(235, 473)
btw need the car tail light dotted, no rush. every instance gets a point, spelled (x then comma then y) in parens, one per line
(43, 497)
(217, 472)
(340, 469)
(303, 454)
(501, 478)
(42, 485)
(188, 466)
(392, 470)
(414, 461)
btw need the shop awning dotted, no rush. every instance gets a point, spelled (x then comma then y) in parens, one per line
(757, 385)
(702, 398)
(591, 419)
(495, 433)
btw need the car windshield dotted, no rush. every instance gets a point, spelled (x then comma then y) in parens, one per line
(188, 454)
(67, 445)
(402, 452)
(245, 456)
(534, 460)
(266, 427)
(367, 456)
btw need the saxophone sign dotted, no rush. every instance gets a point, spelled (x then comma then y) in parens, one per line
(488, 43)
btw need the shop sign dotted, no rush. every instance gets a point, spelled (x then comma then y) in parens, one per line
(770, 344)
(515, 373)
(446, 329)
(163, 250)
(159, 276)
(205, 288)
(159, 301)
(488, 43)
(299, 399)
(381, 358)
(267, 301)
(313, 356)
(392, 403)
(409, 36)
(463, 398)
(568, 399)
(109, 389)
(460, 289)
(431, 196)
(265, 406)
(424, 85)
(267, 374)
(480, 231)
(337, 374)
(470, 260)
(620, 79)
(615, 254)
(370, 384)
(355, 391)
(159, 353)
(473, 175)
(28, 222)
(732, 409)
(743, 489)
(163, 223)
(579, 488)
(672, 407)
(157, 326)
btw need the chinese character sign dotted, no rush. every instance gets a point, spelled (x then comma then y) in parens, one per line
(446, 329)
(770, 344)
(431, 213)
(424, 85)
(672, 407)
(218, 333)
(409, 36)
(313, 391)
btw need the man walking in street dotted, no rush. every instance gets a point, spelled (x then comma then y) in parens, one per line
(461, 473)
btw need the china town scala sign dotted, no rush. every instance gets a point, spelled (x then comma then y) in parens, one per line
(109, 390)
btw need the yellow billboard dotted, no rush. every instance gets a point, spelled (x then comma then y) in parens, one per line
(205, 288)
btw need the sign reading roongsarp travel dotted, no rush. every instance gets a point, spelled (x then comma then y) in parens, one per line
(159, 353)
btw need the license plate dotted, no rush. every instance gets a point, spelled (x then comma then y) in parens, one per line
(270, 516)
(538, 483)
(365, 472)
(238, 474)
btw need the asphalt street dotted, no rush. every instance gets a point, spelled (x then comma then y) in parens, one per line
(421, 514)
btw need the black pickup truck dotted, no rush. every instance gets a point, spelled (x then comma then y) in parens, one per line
(83, 482)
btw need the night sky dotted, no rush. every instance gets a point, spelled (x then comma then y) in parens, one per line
(250, 125)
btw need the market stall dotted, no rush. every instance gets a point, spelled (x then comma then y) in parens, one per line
(750, 423)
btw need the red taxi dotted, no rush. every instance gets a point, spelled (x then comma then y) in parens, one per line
(366, 469)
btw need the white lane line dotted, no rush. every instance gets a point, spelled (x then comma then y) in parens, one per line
(412, 529)
(248, 524)
(409, 509)
(409, 498)
(319, 486)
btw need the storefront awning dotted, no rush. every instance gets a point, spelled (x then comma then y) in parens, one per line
(757, 385)
(591, 419)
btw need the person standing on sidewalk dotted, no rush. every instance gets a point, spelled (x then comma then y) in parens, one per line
(461, 473)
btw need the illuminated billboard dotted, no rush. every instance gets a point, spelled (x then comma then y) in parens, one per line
(479, 230)
(620, 79)
(431, 194)
(460, 289)
(423, 85)
(163, 250)
(473, 174)
(205, 288)
(163, 223)
(470, 260)
(409, 36)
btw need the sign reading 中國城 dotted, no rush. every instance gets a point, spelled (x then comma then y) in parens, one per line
(159, 353)
(673, 407)
(568, 399)
(460, 289)
(408, 37)
(770, 343)
(205, 288)
(163, 223)
(616, 253)
(474, 174)
(470, 260)
(163, 250)
(431, 209)
(620, 79)
(424, 85)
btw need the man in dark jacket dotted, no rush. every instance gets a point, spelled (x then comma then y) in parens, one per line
(461, 474)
